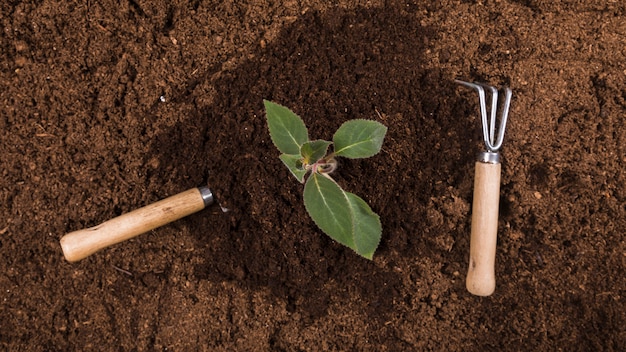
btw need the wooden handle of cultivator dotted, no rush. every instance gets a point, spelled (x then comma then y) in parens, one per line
(481, 280)
(80, 244)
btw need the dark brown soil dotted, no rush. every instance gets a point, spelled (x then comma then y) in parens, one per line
(84, 137)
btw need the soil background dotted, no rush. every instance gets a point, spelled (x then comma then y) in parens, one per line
(107, 106)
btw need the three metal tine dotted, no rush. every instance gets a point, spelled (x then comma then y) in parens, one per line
(489, 120)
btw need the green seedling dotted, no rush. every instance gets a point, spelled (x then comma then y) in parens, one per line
(343, 216)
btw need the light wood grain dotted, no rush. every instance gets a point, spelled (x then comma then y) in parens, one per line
(481, 280)
(80, 244)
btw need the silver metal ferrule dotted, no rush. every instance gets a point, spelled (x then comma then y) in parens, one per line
(488, 157)
(207, 195)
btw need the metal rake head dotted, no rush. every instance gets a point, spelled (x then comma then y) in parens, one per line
(489, 121)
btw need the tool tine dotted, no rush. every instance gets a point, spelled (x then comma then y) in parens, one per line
(489, 120)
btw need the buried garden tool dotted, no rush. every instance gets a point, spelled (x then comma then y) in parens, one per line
(80, 244)
(481, 279)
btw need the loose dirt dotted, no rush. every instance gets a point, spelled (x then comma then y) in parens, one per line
(107, 106)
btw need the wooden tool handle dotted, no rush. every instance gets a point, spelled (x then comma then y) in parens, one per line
(481, 280)
(83, 243)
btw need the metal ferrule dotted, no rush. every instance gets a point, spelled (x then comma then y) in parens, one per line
(488, 157)
(207, 195)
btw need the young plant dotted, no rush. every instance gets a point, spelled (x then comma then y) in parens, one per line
(343, 216)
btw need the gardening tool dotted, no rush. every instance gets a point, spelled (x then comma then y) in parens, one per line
(481, 280)
(80, 244)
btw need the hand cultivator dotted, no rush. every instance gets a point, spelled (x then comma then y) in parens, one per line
(481, 279)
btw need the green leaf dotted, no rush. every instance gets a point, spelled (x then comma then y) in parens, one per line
(329, 208)
(314, 150)
(359, 138)
(343, 216)
(294, 164)
(287, 129)
(367, 227)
